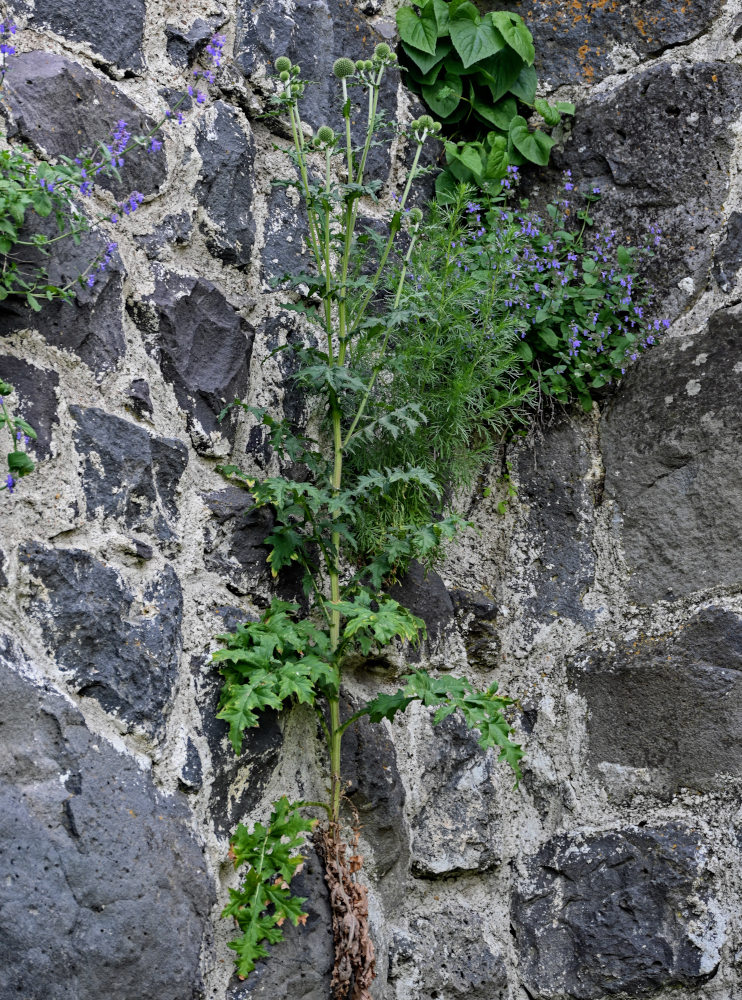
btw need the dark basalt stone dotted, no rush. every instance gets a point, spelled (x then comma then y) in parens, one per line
(478, 617)
(627, 912)
(117, 647)
(672, 703)
(672, 450)
(59, 107)
(728, 258)
(91, 326)
(424, 593)
(552, 481)
(369, 763)
(632, 142)
(113, 30)
(35, 399)
(105, 888)
(3, 567)
(128, 473)
(203, 346)
(184, 46)
(265, 31)
(227, 150)
(139, 397)
(587, 40)
(191, 775)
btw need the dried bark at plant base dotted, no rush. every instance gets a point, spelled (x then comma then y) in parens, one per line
(354, 951)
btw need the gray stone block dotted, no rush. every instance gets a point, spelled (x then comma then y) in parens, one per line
(672, 450)
(627, 912)
(105, 888)
(125, 657)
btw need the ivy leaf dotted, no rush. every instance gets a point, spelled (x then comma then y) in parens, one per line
(515, 33)
(422, 31)
(473, 38)
(425, 61)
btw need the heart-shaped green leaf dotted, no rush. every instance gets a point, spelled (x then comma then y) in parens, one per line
(444, 95)
(422, 31)
(515, 33)
(474, 39)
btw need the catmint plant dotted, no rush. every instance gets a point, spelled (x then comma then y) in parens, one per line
(21, 433)
(298, 654)
(33, 189)
(584, 308)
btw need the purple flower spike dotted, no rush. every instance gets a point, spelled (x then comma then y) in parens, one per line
(9, 483)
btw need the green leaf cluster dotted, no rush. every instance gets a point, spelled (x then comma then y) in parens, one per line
(480, 710)
(268, 663)
(270, 856)
(19, 462)
(472, 70)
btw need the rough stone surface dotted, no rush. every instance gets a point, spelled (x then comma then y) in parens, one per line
(425, 595)
(105, 888)
(728, 258)
(671, 703)
(552, 480)
(630, 142)
(239, 781)
(60, 107)
(35, 399)
(590, 39)
(185, 45)
(377, 792)
(452, 812)
(629, 912)
(265, 31)
(227, 152)
(203, 345)
(90, 326)
(117, 647)
(424, 959)
(129, 474)
(671, 447)
(3, 577)
(477, 617)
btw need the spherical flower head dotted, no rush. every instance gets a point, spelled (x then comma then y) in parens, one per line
(368, 65)
(343, 67)
(282, 64)
(425, 122)
(284, 76)
(325, 134)
(360, 63)
(415, 216)
(382, 51)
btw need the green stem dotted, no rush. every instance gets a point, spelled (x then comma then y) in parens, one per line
(377, 366)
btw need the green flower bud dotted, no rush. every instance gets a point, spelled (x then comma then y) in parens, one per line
(415, 216)
(343, 67)
(284, 76)
(360, 63)
(382, 51)
(393, 57)
(296, 70)
(368, 65)
(282, 64)
(325, 134)
(425, 122)
(436, 127)
(415, 124)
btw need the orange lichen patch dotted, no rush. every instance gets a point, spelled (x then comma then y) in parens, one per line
(587, 70)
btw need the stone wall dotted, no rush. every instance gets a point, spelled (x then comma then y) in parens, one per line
(609, 597)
